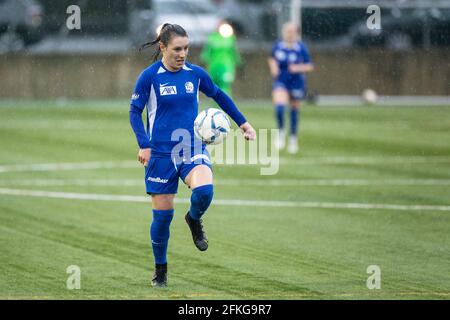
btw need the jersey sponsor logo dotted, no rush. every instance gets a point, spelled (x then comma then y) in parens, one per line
(134, 96)
(189, 87)
(165, 90)
(157, 180)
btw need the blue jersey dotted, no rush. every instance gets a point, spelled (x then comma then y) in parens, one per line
(172, 100)
(285, 56)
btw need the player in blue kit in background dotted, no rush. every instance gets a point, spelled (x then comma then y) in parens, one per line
(288, 63)
(168, 148)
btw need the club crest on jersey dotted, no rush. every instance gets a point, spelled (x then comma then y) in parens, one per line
(189, 87)
(292, 57)
(280, 55)
(167, 90)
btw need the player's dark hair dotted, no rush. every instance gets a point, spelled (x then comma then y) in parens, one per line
(167, 32)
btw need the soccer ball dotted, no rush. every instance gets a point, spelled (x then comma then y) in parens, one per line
(369, 96)
(211, 126)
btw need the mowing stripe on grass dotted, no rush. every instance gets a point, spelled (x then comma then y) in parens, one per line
(234, 182)
(224, 202)
(284, 161)
(369, 294)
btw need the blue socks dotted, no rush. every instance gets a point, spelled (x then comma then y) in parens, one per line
(200, 200)
(295, 119)
(159, 234)
(160, 228)
(279, 113)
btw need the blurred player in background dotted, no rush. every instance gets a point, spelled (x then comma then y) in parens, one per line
(169, 90)
(288, 63)
(221, 56)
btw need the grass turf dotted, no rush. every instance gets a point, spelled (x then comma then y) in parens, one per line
(256, 251)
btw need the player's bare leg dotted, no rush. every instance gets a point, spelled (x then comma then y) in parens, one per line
(162, 201)
(199, 176)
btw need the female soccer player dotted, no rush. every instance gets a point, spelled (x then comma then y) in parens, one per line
(168, 149)
(289, 61)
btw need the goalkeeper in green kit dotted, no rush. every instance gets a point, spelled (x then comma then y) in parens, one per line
(221, 56)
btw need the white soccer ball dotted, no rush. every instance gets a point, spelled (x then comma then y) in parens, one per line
(369, 96)
(212, 126)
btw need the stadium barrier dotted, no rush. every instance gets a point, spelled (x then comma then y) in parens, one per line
(338, 72)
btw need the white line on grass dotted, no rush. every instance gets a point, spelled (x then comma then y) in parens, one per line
(366, 160)
(332, 182)
(69, 166)
(283, 161)
(223, 202)
(234, 182)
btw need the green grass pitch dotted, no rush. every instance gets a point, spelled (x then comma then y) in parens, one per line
(370, 186)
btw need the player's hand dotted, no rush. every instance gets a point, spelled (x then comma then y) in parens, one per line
(144, 156)
(249, 132)
(300, 67)
(294, 68)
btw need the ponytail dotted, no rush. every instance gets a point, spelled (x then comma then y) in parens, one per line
(164, 36)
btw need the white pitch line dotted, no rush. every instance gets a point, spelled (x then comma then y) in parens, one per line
(366, 160)
(307, 161)
(283, 161)
(234, 182)
(224, 202)
(332, 182)
(73, 182)
(69, 166)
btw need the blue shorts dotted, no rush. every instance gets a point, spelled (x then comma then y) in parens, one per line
(163, 171)
(295, 87)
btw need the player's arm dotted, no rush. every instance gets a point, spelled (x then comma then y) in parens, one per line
(301, 67)
(141, 137)
(273, 67)
(227, 105)
(137, 105)
(273, 63)
(306, 65)
(208, 87)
